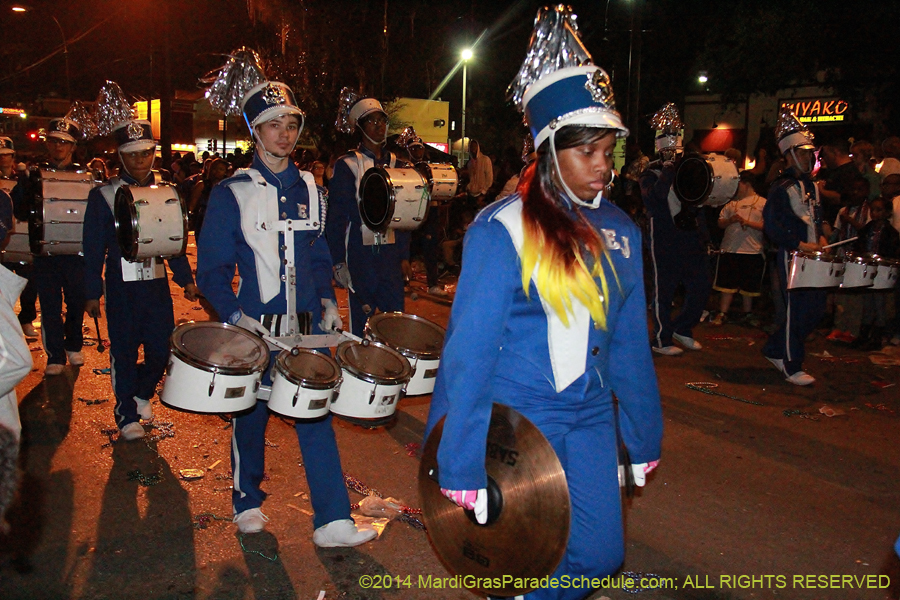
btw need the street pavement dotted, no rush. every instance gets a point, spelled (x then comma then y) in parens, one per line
(759, 495)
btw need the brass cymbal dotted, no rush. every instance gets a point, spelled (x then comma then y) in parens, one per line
(528, 513)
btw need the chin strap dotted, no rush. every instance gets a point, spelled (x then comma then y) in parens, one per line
(593, 203)
(381, 143)
(122, 162)
(275, 159)
(809, 165)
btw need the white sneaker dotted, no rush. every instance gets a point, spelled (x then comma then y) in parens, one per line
(801, 378)
(76, 359)
(251, 520)
(437, 290)
(54, 369)
(131, 432)
(778, 362)
(144, 408)
(342, 534)
(688, 342)
(667, 350)
(29, 330)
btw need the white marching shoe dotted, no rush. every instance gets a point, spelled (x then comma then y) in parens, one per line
(342, 534)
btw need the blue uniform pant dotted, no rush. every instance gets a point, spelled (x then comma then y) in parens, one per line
(57, 278)
(137, 313)
(805, 308)
(583, 435)
(321, 460)
(673, 265)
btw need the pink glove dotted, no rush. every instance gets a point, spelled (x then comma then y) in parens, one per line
(640, 472)
(475, 500)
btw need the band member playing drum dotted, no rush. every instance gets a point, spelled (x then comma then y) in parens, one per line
(138, 303)
(549, 316)
(60, 276)
(242, 228)
(678, 237)
(793, 221)
(371, 265)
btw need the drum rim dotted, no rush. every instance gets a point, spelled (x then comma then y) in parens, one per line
(309, 384)
(404, 350)
(392, 199)
(256, 367)
(709, 184)
(369, 377)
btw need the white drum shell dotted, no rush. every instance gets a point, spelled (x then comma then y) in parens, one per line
(17, 248)
(305, 399)
(423, 376)
(64, 195)
(859, 273)
(158, 224)
(188, 387)
(408, 197)
(364, 400)
(419, 340)
(813, 271)
(887, 275)
(443, 180)
(725, 180)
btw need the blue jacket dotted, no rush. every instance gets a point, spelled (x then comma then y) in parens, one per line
(497, 334)
(780, 223)
(100, 242)
(222, 246)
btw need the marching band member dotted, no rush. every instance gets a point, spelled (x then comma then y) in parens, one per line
(241, 228)
(549, 316)
(793, 221)
(28, 298)
(59, 277)
(678, 239)
(372, 266)
(138, 303)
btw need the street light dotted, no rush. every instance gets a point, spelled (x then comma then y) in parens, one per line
(466, 56)
(703, 77)
(19, 8)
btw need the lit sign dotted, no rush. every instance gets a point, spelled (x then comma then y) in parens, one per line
(445, 148)
(819, 110)
(15, 112)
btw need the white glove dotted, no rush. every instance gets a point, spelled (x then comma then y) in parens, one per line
(342, 275)
(251, 325)
(475, 500)
(640, 472)
(330, 318)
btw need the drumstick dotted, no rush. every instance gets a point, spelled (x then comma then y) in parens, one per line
(355, 338)
(847, 241)
(100, 347)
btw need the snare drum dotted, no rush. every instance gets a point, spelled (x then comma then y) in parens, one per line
(859, 271)
(710, 180)
(814, 270)
(57, 210)
(18, 249)
(887, 275)
(418, 339)
(393, 199)
(304, 386)
(151, 222)
(214, 368)
(442, 180)
(374, 378)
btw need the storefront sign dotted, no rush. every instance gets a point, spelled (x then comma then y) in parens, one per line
(819, 110)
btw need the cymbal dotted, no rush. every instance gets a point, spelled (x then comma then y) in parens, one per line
(528, 510)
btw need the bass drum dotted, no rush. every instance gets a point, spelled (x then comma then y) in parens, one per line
(151, 222)
(393, 199)
(418, 339)
(58, 200)
(18, 248)
(710, 180)
(214, 368)
(441, 178)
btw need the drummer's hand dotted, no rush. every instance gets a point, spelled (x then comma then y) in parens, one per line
(808, 247)
(330, 318)
(640, 472)
(407, 270)
(475, 500)
(92, 308)
(342, 275)
(251, 325)
(191, 292)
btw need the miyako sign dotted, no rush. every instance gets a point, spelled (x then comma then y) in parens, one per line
(819, 110)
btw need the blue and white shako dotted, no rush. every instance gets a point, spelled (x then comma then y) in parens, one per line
(571, 96)
(270, 100)
(134, 136)
(64, 129)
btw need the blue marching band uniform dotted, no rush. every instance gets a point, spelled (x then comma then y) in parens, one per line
(374, 261)
(139, 308)
(234, 209)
